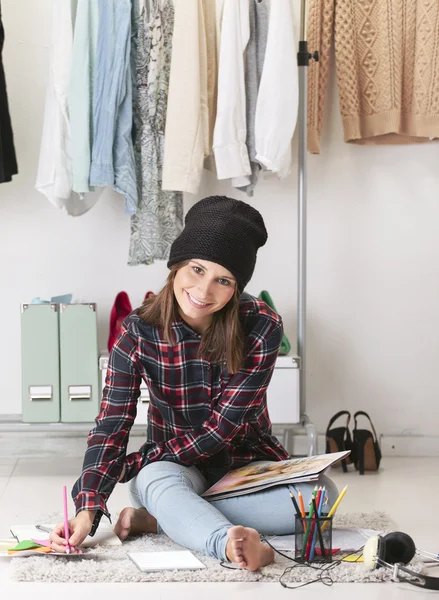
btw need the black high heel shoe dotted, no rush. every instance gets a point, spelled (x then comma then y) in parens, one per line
(367, 449)
(339, 439)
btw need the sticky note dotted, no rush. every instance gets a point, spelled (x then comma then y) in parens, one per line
(39, 550)
(353, 558)
(334, 551)
(26, 545)
(42, 542)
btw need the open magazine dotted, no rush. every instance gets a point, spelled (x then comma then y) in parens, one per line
(264, 474)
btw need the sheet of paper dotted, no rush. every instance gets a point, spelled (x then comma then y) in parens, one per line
(345, 539)
(162, 561)
(7, 544)
(43, 552)
(104, 534)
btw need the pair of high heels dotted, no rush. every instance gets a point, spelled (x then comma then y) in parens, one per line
(363, 444)
(120, 310)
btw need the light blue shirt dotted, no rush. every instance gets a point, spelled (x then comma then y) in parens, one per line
(81, 92)
(113, 154)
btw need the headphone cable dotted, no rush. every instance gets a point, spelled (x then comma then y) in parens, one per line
(322, 577)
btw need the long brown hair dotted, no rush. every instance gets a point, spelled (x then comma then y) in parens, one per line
(222, 342)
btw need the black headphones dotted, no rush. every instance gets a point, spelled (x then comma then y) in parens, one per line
(394, 550)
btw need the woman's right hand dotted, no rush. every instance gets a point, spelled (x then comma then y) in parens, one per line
(79, 528)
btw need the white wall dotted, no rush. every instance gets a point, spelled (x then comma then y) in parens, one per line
(373, 271)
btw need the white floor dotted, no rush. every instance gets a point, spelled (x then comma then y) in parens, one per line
(32, 488)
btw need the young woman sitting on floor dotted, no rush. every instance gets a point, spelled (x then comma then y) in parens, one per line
(207, 352)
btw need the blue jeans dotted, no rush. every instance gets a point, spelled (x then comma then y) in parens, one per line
(171, 493)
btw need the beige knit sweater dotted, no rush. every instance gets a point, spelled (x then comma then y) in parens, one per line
(387, 59)
(191, 109)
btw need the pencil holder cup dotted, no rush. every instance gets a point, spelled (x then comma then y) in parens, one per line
(313, 539)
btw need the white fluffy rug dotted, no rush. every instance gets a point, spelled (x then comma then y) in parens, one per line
(110, 564)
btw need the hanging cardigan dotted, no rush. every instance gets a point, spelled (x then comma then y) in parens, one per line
(387, 56)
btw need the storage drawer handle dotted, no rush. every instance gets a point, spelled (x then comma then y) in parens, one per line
(40, 392)
(79, 392)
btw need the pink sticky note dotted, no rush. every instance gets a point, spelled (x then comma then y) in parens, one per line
(42, 542)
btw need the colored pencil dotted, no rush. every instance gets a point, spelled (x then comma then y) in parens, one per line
(66, 519)
(311, 533)
(296, 506)
(301, 504)
(313, 525)
(334, 508)
(317, 528)
(308, 526)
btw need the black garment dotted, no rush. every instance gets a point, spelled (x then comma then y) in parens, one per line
(8, 161)
(224, 231)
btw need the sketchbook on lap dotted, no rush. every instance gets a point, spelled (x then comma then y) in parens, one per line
(264, 474)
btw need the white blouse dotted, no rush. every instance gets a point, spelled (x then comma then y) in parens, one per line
(278, 97)
(230, 134)
(54, 178)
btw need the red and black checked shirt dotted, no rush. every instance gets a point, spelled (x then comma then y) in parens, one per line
(198, 413)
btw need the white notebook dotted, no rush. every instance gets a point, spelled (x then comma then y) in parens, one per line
(163, 561)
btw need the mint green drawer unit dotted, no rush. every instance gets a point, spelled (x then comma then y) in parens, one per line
(40, 363)
(80, 396)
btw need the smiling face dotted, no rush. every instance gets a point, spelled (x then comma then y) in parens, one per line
(202, 288)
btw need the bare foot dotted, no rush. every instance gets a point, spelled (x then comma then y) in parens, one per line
(134, 521)
(245, 548)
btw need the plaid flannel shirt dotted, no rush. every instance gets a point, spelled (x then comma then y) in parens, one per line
(198, 413)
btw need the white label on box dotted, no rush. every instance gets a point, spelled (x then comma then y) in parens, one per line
(40, 392)
(79, 392)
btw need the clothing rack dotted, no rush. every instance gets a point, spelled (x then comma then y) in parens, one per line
(303, 58)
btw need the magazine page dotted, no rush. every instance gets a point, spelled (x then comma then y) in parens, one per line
(260, 474)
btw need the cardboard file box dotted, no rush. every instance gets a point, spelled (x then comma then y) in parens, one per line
(143, 401)
(80, 394)
(283, 398)
(40, 363)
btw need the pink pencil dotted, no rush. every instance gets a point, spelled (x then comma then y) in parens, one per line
(66, 519)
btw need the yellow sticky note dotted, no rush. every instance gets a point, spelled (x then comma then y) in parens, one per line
(353, 558)
(41, 550)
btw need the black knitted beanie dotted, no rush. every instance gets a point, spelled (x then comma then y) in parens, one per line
(224, 231)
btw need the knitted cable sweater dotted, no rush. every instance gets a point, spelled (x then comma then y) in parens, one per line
(387, 59)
